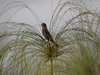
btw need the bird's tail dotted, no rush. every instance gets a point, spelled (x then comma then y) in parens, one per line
(55, 43)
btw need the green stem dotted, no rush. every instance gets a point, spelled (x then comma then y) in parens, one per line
(51, 60)
(51, 66)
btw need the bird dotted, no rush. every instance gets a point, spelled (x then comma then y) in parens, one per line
(47, 34)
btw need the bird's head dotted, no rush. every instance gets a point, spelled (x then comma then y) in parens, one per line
(43, 25)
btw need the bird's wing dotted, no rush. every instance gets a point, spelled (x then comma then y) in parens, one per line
(47, 34)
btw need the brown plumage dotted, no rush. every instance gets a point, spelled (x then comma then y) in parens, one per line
(47, 34)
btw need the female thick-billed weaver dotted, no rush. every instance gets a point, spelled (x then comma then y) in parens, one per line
(47, 34)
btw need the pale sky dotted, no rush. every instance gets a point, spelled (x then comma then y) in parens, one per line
(43, 9)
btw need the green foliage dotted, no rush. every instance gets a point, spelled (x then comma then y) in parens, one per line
(26, 52)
